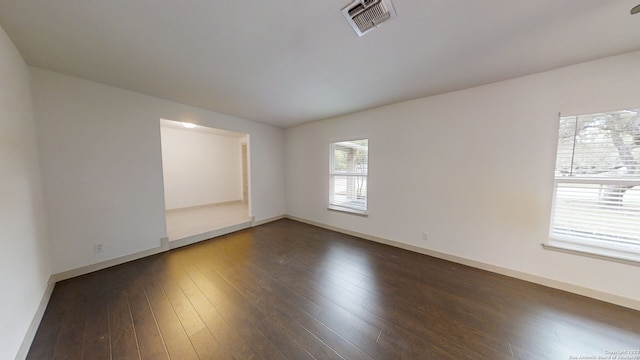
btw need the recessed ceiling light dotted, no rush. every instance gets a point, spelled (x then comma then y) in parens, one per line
(189, 125)
(635, 10)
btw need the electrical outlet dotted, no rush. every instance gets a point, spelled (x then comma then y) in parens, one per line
(424, 236)
(97, 248)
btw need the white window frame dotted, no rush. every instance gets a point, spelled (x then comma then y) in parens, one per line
(332, 205)
(591, 246)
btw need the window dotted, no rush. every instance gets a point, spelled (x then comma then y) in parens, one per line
(596, 205)
(349, 165)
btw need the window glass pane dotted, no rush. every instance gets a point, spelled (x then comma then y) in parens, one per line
(600, 145)
(350, 157)
(350, 191)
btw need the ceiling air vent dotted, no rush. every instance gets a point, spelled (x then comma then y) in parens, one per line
(365, 15)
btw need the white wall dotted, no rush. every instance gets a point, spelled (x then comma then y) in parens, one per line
(101, 155)
(200, 168)
(24, 254)
(473, 169)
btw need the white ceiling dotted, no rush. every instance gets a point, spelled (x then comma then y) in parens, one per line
(285, 62)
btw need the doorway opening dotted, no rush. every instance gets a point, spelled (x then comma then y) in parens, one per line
(206, 174)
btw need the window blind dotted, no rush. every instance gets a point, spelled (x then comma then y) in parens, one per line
(597, 179)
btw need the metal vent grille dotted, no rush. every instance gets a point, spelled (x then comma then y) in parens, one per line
(365, 15)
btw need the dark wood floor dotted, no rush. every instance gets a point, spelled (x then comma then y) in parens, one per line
(287, 290)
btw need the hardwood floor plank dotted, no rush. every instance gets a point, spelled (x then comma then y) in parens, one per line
(176, 340)
(277, 300)
(69, 341)
(205, 343)
(240, 314)
(203, 300)
(150, 342)
(259, 344)
(373, 337)
(124, 343)
(343, 305)
(287, 290)
(188, 316)
(248, 331)
(44, 341)
(247, 290)
(342, 298)
(207, 346)
(96, 342)
(290, 348)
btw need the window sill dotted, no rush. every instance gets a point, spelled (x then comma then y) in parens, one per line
(362, 213)
(629, 255)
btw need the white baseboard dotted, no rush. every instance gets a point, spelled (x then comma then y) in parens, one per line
(35, 322)
(591, 293)
(164, 246)
(174, 244)
(265, 221)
